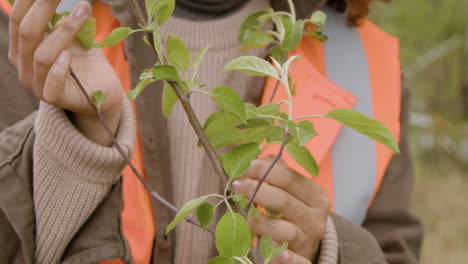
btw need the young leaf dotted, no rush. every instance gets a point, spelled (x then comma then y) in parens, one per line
(256, 39)
(166, 73)
(366, 126)
(237, 160)
(162, 10)
(303, 157)
(279, 26)
(228, 137)
(252, 66)
(319, 18)
(229, 101)
(220, 128)
(198, 59)
(238, 197)
(56, 18)
(168, 100)
(272, 109)
(98, 97)
(177, 53)
(87, 34)
(293, 34)
(269, 251)
(157, 42)
(256, 122)
(185, 211)
(221, 260)
(305, 131)
(115, 37)
(278, 54)
(205, 215)
(233, 235)
(274, 134)
(251, 23)
(250, 110)
(133, 94)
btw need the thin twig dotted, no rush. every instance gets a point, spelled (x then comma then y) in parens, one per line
(267, 171)
(148, 188)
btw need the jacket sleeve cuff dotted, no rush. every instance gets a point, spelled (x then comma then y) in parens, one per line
(58, 136)
(329, 246)
(356, 244)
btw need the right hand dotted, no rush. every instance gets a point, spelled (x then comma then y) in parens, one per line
(43, 61)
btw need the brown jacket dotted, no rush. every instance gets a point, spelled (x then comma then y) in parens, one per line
(389, 234)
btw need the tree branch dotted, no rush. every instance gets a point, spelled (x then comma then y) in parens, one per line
(265, 174)
(148, 188)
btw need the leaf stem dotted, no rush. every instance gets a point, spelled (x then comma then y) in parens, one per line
(293, 11)
(310, 116)
(148, 188)
(199, 91)
(267, 171)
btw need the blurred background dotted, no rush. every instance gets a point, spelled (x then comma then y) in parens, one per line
(434, 56)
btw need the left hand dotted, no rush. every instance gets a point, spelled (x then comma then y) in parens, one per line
(303, 205)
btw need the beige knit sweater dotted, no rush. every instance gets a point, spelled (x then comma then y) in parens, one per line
(72, 175)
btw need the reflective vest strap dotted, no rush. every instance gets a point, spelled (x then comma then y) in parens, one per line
(385, 75)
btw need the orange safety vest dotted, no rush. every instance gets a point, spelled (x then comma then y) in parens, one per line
(315, 95)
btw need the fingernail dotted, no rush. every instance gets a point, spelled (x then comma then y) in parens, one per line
(63, 57)
(81, 11)
(236, 185)
(285, 255)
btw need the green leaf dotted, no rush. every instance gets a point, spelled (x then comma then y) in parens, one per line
(205, 215)
(254, 135)
(256, 122)
(11, 1)
(252, 66)
(169, 99)
(166, 73)
(237, 160)
(177, 53)
(319, 18)
(269, 251)
(87, 34)
(133, 94)
(319, 36)
(157, 42)
(274, 134)
(293, 34)
(220, 128)
(146, 74)
(250, 110)
(162, 10)
(279, 25)
(233, 235)
(221, 260)
(229, 101)
(256, 39)
(278, 54)
(251, 23)
(198, 59)
(98, 97)
(238, 197)
(303, 157)
(366, 126)
(305, 131)
(54, 21)
(185, 211)
(115, 37)
(272, 109)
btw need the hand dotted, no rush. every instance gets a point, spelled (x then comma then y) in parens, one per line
(304, 207)
(43, 60)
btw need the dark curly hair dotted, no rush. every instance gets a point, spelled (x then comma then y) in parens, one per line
(355, 10)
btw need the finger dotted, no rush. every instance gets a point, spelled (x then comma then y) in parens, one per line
(31, 31)
(19, 10)
(277, 200)
(297, 185)
(281, 230)
(56, 79)
(48, 51)
(291, 257)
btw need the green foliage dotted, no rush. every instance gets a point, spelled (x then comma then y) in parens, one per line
(366, 126)
(233, 236)
(98, 98)
(169, 99)
(165, 73)
(269, 251)
(303, 157)
(115, 37)
(221, 260)
(293, 34)
(177, 53)
(87, 34)
(185, 211)
(251, 23)
(205, 215)
(132, 95)
(160, 10)
(252, 66)
(237, 160)
(302, 132)
(229, 101)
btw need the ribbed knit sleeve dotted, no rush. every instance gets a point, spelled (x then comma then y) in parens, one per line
(329, 247)
(72, 175)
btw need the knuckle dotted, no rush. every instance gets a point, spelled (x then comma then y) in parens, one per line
(25, 33)
(41, 61)
(293, 234)
(67, 26)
